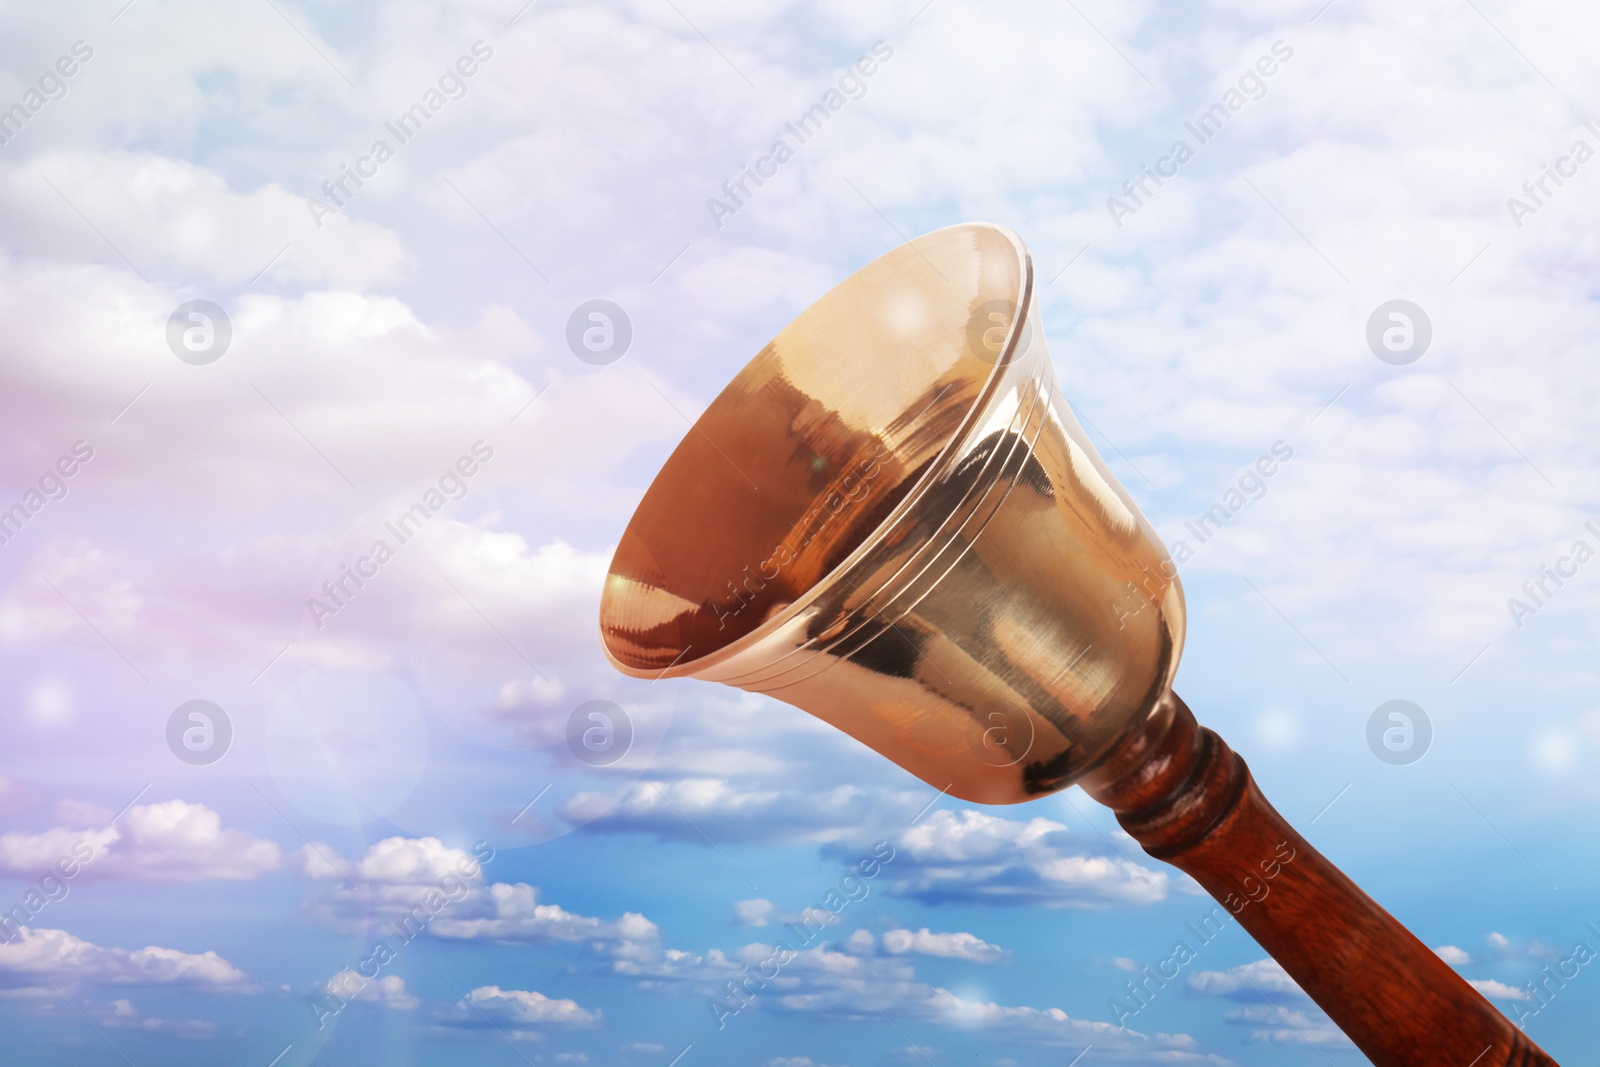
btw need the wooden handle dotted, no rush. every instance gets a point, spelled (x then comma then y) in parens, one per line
(1190, 800)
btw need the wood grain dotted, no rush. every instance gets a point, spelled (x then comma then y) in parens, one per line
(1190, 800)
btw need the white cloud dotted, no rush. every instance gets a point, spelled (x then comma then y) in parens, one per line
(1267, 975)
(174, 219)
(36, 955)
(726, 811)
(860, 943)
(760, 913)
(757, 912)
(1276, 1025)
(120, 1014)
(955, 946)
(1452, 955)
(172, 841)
(344, 368)
(1497, 990)
(388, 991)
(1048, 1024)
(1289, 1017)
(423, 885)
(416, 861)
(822, 980)
(973, 856)
(25, 855)
(412, 881)
(512, 912)
(521, 1012)
(657, 966)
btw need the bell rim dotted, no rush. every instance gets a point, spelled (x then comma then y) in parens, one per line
(982, 401)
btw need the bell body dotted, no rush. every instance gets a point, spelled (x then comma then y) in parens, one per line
(891, 520)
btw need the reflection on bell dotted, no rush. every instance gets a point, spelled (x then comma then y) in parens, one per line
(891, 520)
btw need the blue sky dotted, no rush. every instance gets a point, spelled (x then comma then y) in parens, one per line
(410, 750)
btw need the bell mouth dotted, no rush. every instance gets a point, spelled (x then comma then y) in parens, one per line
(809, 455)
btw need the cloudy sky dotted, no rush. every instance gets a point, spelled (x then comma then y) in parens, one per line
(184, 486)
